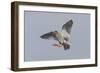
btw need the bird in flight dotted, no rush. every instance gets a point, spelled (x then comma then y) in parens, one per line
(62, 37)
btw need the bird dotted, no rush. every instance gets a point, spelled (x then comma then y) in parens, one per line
(62, 37)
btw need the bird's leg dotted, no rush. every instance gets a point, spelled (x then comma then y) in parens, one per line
(57, 45)
(60, 45)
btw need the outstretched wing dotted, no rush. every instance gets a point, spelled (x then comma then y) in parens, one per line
(66, 29)
(67, 26)
(49, 35)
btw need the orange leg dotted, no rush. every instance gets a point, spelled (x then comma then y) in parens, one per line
(57, 45)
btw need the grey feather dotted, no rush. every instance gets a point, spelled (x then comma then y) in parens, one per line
(67, 26)
(66, 46)
(48, 36)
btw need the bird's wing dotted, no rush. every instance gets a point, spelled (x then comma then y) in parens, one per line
(49, 35)
(67, 26)
(66, 29)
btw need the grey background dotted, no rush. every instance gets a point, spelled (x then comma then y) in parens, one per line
(39, 23)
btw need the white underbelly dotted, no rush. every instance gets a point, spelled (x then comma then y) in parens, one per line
(60, 38)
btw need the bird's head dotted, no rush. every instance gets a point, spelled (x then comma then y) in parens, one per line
(55, 32)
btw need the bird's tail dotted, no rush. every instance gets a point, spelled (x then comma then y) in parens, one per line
(66, 46)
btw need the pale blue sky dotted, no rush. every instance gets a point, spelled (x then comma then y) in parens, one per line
(39, 23)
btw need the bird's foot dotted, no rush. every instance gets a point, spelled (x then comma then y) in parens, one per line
(57, 45)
